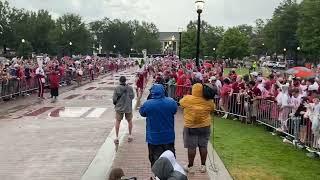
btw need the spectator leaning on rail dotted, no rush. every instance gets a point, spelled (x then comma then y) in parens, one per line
(197, 121)
(160, 111)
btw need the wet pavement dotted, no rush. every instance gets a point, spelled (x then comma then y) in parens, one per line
(72, 139)
(44, 140)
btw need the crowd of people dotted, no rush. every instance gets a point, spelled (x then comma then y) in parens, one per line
(289, 104)
(23, 76)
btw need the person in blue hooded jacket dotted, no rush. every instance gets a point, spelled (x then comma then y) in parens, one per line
(159, 111)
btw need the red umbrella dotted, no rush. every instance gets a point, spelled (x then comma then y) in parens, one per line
(207, 65)
(301, 72)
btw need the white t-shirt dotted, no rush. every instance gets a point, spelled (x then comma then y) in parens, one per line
(261, 87)
(295, 102)
(40, 71)
(218, 84)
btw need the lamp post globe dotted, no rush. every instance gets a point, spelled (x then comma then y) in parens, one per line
(199, 5)
(70, 43)
(299, 48)
(173, 38)
(23, 41)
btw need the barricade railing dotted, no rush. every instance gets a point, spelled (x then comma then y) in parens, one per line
(20, 86)
(264, 111)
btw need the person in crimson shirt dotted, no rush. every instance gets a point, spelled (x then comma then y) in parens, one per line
(255, 94)
(54, 84)
(140, 84)
(225, 94)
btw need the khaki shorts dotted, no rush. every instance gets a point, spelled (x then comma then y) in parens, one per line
(119, 116)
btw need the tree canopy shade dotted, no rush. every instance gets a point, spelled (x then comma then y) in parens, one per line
(45, 35)
(234, 44)
(309, 28)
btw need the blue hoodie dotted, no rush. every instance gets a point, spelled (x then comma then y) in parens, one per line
(160, 111)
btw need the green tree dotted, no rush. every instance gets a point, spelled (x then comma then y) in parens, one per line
(43, 24)
(71, 28)
(257, 43)
(25, 49)
(212, 38)
(146, 37)
(118, 33)
(209, 39)
(308, 31)
(5, 29)
(280, 31)
(234, 44)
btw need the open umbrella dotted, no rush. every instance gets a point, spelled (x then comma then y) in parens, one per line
(207, 65)
(301, 72)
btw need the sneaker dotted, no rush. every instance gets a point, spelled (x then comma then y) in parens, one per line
(225, 116)
(287, 141)
(203, 169)
(190, 170)
(130, 138)
(300, 146)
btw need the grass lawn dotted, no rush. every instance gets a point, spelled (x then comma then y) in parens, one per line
(250, 152)
(244, 71)
(239, 71)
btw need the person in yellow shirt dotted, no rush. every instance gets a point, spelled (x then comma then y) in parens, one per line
(197, 121)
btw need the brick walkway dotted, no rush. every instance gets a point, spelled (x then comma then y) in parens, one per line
(133, 157)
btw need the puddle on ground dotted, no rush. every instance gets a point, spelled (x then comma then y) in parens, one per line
(72, 96)
(105, 88)
(90, 88)
(38, 112)
(94, 97)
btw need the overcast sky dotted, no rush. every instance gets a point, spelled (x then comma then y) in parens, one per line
(168, 15)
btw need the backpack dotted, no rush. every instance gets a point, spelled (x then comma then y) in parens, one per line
(208, 91)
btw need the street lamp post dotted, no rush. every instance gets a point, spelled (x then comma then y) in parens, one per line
(180, 41)
(297, 54)
(214, 53)
(199, 7)
(23, 41)
(173, 39)
(285, 56)
(70, 48)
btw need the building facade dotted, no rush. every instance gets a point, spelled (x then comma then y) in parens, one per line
(169, 42)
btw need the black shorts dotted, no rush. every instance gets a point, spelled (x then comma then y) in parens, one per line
(155, 151)
(54, 92)
(196, 137)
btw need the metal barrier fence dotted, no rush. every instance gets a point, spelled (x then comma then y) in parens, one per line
(15, 87)
(264, 111)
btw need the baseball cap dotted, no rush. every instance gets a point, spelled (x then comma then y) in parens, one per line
(254, 74)
(212, 78)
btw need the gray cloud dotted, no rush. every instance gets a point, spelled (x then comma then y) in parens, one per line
(168, 15)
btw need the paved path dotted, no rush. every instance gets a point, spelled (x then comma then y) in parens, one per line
(73, 138)
(58, 141)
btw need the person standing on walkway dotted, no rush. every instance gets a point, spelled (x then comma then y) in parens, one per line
(197, 121)
(159, 111)
(40, 75)
(122, 99)
(54, 84)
